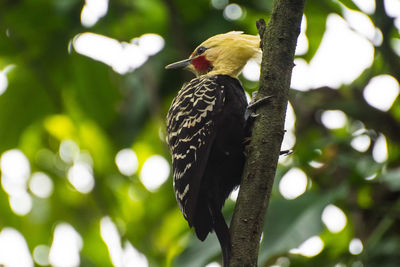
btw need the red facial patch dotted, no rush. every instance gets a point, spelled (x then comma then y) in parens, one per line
(201, 64)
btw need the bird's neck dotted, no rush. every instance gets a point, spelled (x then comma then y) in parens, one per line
(230, 70)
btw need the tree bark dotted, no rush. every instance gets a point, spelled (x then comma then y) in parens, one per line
(278, 42)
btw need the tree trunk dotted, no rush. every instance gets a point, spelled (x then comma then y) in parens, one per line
(278, 41)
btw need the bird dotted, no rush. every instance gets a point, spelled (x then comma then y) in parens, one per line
(207, 127)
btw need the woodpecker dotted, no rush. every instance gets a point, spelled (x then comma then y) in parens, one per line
(206, 131)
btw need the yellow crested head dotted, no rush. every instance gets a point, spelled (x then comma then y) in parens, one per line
(224, 53)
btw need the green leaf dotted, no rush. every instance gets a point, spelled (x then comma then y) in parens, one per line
(349, 4)
(198, 254)
(392, 179)
(316, 13)
(291, 222)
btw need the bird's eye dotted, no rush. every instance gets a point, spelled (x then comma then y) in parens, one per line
(200, 50)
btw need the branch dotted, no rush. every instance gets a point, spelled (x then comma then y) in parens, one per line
(278, 43)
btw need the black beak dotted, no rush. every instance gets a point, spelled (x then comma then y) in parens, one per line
(179, 64)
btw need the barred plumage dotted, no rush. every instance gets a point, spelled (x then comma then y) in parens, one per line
(206, 130)
(207, 114)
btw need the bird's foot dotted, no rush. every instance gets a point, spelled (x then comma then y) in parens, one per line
(251, 108)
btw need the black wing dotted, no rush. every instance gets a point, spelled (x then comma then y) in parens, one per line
(191, 123)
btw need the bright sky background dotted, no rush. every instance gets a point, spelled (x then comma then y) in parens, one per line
(346, 50)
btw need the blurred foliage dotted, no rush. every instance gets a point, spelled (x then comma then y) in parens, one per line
(55, 94)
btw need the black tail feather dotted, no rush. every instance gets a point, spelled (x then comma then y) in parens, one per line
(203, 222)
(222, 231)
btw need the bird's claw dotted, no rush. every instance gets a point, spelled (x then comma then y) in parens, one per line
(254, 105)
(286, 152)
(254, 115)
